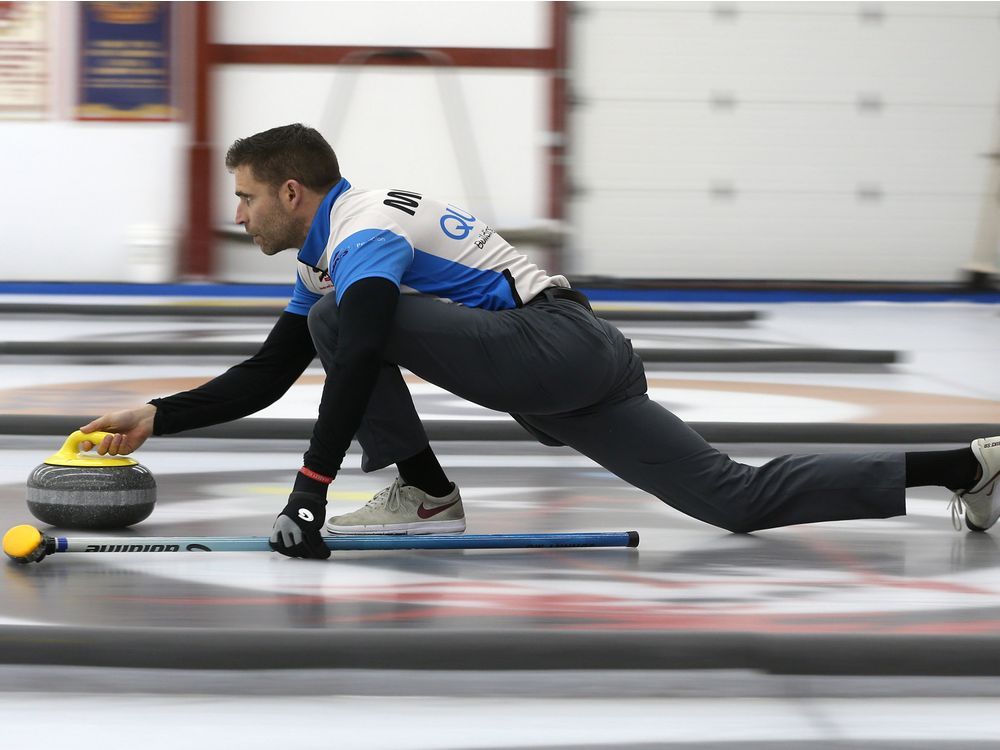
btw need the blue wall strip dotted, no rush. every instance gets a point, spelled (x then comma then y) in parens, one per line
(283, 291)
(765, 296)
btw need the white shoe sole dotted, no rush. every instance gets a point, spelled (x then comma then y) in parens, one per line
(402, 529)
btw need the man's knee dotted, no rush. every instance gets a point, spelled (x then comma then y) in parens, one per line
(323, 315)
(741, 521)
(736, 504)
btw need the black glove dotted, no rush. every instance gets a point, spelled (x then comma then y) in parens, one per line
(296, 529)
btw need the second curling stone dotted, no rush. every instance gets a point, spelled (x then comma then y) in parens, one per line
(77, 491)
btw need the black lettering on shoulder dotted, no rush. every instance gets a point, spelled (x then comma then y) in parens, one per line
(404, 200)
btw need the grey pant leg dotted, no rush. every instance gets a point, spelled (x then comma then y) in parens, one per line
(549, 358)
(553, 357)
(650, 448)
(390, 430)
(574, 378)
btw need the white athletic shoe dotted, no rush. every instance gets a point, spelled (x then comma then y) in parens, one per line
(403, 509)
(980, 503)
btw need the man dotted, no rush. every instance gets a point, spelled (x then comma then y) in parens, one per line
(394, 278)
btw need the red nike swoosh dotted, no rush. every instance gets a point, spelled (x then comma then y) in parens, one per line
(426, 513)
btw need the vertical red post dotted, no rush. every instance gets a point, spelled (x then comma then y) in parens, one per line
(559, 94)
(196, 254)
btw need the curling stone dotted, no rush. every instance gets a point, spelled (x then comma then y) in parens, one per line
(77, 491)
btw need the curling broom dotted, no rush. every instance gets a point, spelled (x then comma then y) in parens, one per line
(27, 544)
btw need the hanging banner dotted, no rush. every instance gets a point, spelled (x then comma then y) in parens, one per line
(23, 59)
(125, 62)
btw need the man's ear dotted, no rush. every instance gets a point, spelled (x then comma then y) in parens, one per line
(290, 194)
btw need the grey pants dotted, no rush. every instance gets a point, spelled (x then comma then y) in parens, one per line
(572, 379)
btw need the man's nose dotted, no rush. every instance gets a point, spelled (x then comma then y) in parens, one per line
(240, 218)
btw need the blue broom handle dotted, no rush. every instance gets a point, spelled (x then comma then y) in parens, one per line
(341, 543)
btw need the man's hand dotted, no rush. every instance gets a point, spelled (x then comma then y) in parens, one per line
(129, 428)
(296, 529)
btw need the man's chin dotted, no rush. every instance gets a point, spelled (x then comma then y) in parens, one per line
(271, 249)
(264, 248)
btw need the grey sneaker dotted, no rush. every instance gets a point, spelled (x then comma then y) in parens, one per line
(403, 509)
(980, 503)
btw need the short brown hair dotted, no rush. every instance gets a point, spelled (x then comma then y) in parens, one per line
(290, 152)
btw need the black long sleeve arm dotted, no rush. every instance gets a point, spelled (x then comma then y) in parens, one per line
(245, 388)
(365, 314)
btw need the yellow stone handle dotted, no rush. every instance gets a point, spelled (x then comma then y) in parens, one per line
(72, 445)
(69, 454)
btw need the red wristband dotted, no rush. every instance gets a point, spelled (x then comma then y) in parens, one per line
(314, 476)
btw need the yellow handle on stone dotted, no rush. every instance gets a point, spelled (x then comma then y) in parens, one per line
(69, 454)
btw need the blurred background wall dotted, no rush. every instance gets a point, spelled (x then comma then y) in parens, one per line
(73, 192)
(783, 141)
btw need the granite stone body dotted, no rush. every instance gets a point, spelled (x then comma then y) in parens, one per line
(98, 497)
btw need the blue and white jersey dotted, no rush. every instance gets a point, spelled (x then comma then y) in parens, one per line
(422, 245)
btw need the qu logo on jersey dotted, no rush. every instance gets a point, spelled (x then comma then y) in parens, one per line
(457, 224)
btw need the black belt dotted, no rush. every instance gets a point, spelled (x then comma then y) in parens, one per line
(553, 293)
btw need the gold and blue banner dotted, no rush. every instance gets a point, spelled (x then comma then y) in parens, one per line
(126, 62)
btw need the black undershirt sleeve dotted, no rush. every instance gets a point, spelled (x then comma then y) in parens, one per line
(245, 388)
(365, 316)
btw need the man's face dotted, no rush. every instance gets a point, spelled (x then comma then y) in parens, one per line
(264, 216)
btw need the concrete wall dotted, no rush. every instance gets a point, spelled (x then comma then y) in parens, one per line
(783, 140)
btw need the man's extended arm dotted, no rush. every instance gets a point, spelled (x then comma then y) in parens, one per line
(365, 317)
(243, 389)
